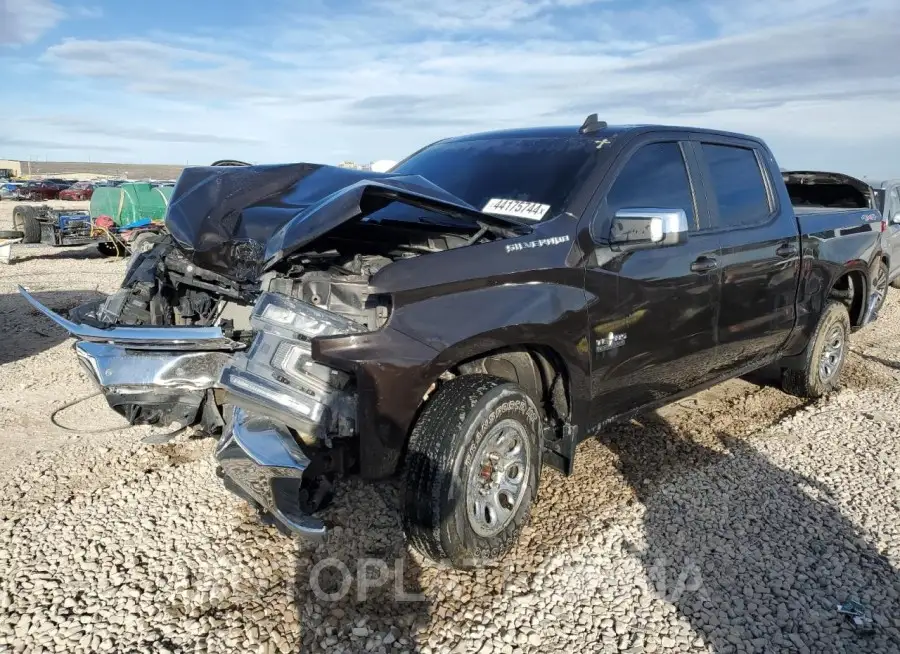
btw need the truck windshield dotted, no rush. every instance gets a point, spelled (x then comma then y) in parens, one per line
(545, 171)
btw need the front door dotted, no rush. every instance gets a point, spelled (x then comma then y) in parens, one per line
(657, 338)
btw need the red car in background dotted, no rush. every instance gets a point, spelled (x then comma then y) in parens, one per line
(45, 190)
(78, 191)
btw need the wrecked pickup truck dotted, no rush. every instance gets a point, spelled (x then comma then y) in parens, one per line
(471, 314)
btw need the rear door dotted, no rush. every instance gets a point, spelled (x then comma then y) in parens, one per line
(759, 254)
(658, 338)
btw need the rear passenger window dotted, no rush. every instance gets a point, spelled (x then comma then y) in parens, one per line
(738, 184)
(654, 177)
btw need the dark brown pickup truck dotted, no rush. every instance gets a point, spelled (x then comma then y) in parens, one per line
(473, 314)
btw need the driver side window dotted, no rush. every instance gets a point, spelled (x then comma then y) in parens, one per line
(654, 177)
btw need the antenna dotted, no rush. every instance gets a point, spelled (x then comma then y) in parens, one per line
(591, 124)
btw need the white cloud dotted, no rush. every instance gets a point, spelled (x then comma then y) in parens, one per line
(379, 84)
(25, 21)
(87, 11)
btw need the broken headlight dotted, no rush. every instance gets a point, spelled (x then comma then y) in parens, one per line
(278, 378)
(287, 316)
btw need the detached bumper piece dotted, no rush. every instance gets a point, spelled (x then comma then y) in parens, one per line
(151, 338)
(151, 387)
(152, 375)
(261, 462)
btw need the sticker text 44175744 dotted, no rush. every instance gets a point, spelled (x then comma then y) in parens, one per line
(516, 208)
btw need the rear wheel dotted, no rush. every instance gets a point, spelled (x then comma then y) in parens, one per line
(472, 471)
(879, 286)
(25, 220)
(824, 357)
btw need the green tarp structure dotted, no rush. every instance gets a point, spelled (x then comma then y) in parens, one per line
(130, 202)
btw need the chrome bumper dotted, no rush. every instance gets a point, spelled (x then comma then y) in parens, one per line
(150, 375)
(152, 386)
(262, 463)
(160, 338)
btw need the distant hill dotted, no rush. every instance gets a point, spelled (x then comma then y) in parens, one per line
(113, 170)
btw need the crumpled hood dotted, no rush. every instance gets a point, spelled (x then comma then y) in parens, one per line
(228, 216)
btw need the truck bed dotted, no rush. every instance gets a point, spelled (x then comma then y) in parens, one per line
(816, 220)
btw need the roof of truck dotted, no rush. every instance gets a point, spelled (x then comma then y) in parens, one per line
(573, 131)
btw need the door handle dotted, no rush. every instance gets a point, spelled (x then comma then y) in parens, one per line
(703, 264)
(786, 250)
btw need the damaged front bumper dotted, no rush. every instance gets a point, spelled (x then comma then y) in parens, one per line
(152, 375)
(294, 419)
(151, 387)
(261, 462)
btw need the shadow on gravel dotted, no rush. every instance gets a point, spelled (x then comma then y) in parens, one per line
(70, 253)
(894, 365)
(26, 331)
(755, 558)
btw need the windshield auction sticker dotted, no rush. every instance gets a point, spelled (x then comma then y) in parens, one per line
(516, 208)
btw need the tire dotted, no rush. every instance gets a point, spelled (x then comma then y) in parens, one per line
(109, 249)
(25, 220)
(445, 466)
(879, 280)
(811, 381)
(5, 234)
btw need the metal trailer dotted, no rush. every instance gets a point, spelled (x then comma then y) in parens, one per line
(62, 227)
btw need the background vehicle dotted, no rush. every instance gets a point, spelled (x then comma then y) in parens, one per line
(52, 226)
(887, 200)
(41, 190)
(9, 190)
(475, 313)
(78, 191)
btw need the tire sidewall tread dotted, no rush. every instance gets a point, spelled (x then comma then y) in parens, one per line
(806, 382)
(442, 447)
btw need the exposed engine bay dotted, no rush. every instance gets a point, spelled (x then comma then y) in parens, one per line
(213, 325)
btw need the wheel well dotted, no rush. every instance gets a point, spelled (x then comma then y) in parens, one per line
(850, 288)
(539, 370)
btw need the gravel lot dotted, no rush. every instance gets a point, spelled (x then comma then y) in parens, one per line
(734, 521)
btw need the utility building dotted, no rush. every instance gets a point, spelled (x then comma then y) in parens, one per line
(10, 168)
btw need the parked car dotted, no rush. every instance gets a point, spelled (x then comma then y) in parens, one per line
(78, 191)
(9, 191)
(887, 200)
(40, 190)
(472, 315)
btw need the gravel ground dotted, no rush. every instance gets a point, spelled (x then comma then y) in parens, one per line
(734, 521)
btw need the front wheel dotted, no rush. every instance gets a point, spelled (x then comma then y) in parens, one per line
(824, 357)
(472, 471)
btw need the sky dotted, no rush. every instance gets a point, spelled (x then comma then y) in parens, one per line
(178, 82)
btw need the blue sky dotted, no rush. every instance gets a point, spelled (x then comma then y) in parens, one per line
(172, 81)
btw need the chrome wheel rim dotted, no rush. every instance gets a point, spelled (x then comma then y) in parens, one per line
(879, 286)
(832, 353)
(498, 480)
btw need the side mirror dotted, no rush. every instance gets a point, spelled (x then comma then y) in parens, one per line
(896, 217)
(646, 228)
